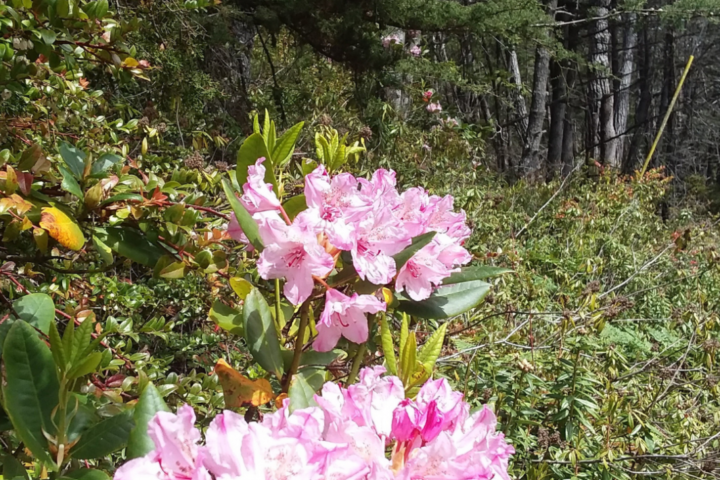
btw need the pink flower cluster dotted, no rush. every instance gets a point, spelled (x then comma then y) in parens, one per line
(368, 218)
(345, 437)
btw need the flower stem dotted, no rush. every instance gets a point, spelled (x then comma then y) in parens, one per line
(304, 317)
(277, 306)
(360, 355)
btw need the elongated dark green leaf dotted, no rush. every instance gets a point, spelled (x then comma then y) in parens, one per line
(86, 474)
(312, 358)
(5, 423)
(105, 437)
(69, 184)
(31, 391)
(253, 148)
(37, 309)
(467, 274)
(447, 301)
(150, 403)
(104, 163)
(227, 318)
(13, 469)
(387, 346)
(247, 223)
(300, 393)
(294, 206)
(260, 333)
(123, 197)
(282, 153)
(132, 244)
(417, 243)
(430, 351)
(74, 158)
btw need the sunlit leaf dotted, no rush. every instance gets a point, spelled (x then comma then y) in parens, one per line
(239, 390)
(62, 228)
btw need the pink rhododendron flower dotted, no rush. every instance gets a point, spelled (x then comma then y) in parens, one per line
(258, 196)
(176, 455)
(422, 273)
(427, 95)
(415, 51)
(379, 237)
(393, 39)
(345, 437)
(434, 107)
(442, 218)
(344, 316)
(236, 233)
(292, 253)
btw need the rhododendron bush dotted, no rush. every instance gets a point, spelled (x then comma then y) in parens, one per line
(356, 251)
(345, 435)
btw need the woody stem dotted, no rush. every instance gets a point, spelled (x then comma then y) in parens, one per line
(304, 317)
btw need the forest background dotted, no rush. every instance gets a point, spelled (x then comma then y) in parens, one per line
(598, 351)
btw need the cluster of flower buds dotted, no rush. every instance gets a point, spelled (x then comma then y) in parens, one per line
(369, 219)
(345, 437)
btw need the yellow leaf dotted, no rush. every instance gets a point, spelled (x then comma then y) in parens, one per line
(41, 239)
(241, 286)
(62, 228)
(15, 201)
(144, 147)
(239, 390)
(130, 62)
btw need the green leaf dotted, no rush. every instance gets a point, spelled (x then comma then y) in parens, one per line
(241, 287)
(387, 346)
(301, 394)
(404, 327)
(104, 163)
(447, 301)
(105, 437)
(260, 333)
(408, 360)
(13, 469)
(266, 125)
(430, 351)
(417, 243)
(69, 184)
(294, 206)
(81, 340)
(31, 388)
(86, 366)
(131, 244)
(48, 36)
(247, 223)
(467, 274)
(30, 157)
(56, 347)
(252, 149)
(150, 403)
(86, 474)
(285, 145)
(74, 158)
(103, 250)
(227, 318)
(37, 309)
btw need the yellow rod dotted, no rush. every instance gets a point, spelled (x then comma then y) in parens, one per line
(667, 116)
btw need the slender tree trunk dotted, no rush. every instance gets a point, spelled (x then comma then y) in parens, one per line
(557, 119)
(520, 107)
(603, 128)
(642, 111)
(667, 93)
(625, 71)
(531, 164)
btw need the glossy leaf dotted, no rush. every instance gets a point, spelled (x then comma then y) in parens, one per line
(285, 145)
(131, 244)
(430, 351)
(104, 163)
(74, 158)
(241, 287)
(69, 184)
(31, 388)
(301, 394)
(37, 309)
(62, 228)
(105, 437)
(294, 206)
(247, 223)
(447, 301)
(253, 148)
(227, 318)
(260, 333)
(150, 403)
(467, 274)
(12, 469)
(387, 346)
(417, 243)
(86, 474)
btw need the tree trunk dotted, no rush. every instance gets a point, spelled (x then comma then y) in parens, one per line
(520, 107)
(667, 93)
(642, 111)
(531, 164)
(557, 119)
(625, 71)
(603, 124)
